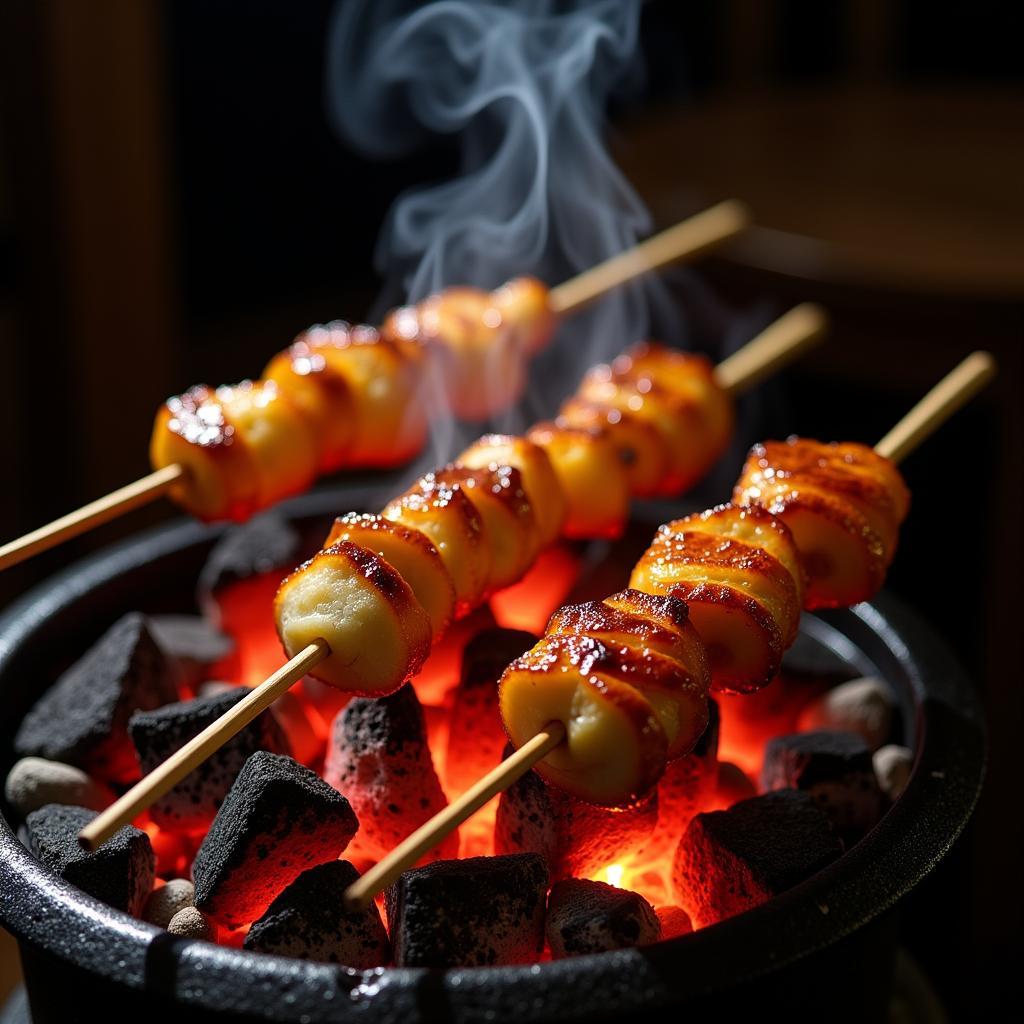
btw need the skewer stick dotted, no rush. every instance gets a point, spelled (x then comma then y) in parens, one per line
(95, 513)
(690, 238)
(953, 391)
(789, 335)
(124, 810)
(361, 893)
(779, 343)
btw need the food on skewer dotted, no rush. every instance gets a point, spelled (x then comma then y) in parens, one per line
(844, 504)
(361, 393)
(351, 619)
(585, 715)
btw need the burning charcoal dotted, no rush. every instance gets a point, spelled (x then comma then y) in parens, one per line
(309, 921)
(688, 786)
(893, 765)
(83, 718)
(733, 786)
(266, 543)
(674, 922)
(189, 923)
(574, 837)
(591, 917)
(278, 819)
(729, 861)
(476, 737)
(165, 902)
(378, 756)
(119, 873)
(191, 805)
(477, 912)
(34, 782)
(836, 769)
(861, 706)
(193, 642)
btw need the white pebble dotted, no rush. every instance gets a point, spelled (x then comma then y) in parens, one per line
(191, 924)
(862, 706)
(893, 765)
(165, 902)
(34, 782)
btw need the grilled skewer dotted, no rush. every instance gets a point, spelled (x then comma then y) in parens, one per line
(600, 704)
(429, 543)
(353, 396)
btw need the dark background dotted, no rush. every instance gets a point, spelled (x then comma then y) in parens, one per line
(174, 208)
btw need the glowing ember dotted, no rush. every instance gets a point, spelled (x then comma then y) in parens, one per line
(613, 875)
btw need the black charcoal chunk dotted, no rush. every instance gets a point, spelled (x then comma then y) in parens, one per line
(191, 804)
(266, 543)
(729, 861)
(195, 643)
(278, 820)
(836, 769)
(83, 718)
(592, 917)
(309, 921)
(120, 872)
(379, 758)
(476, 912)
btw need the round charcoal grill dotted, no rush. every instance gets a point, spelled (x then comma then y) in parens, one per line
(824, 948)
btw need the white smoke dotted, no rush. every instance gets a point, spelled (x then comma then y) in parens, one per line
(524, 87)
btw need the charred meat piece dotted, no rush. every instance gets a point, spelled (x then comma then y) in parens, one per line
(278, 819)
(120, 872)
(836, 769)
(378, 755)
(730, 861)
(308, 921)
(592, 917)
(477, 912)
(192, 804)
(83, 718)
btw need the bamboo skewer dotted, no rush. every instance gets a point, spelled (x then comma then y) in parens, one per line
(103, 510)
(200, 747)
(780, 341)
(953, 391)
(687, 239)
(935, 408)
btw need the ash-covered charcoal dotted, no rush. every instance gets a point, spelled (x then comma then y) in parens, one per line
(120, 872)
(379, 757)
(893, 765)
(592, 917)
(83, 718)
(190, 923)
(674, 922)
(34, 782)
(266, 543)
(573, 836)
(476, 737)
(477, 912)
(862, 706)
(730, 861)
(309, 921)
(193, 642)
(836, 769)
(163, 903)
(191, 805)
(278, 820)
(688, 786)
